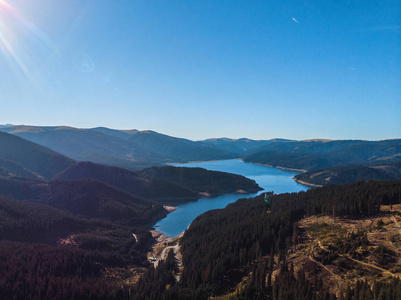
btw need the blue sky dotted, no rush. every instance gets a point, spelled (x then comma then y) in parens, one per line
(199, 69)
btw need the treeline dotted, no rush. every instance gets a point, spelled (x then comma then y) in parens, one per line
(355, 199)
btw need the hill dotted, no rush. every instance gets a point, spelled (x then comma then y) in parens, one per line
(130, 149)
(88, 145)
(86, 197)
(348, 174)
(19, 157)
(203, 181)
(178, 149)
(162, 182)
(318, 154)
(34, 222)
(128, 181)
(52, 254)
(325, 243)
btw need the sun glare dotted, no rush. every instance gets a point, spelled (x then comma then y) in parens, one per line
(16, 36)
(4, 5)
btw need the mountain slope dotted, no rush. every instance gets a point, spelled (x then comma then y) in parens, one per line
(239, 146)
(86, 197)
(35, 222)
(178, 149)
(126, 180)
(203, 181)
(88, 145)
(123, 148)
(348, 174)
(162, 182)
(315, 154)
(23, 158)
(122, 134)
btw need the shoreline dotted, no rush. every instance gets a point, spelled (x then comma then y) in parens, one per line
(306, 183)
(277, 167)
(200, 161)
(161, 238)
(170, 209)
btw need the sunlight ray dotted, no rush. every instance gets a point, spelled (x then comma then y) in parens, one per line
(15, 32)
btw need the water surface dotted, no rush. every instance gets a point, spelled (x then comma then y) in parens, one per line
(268, 178)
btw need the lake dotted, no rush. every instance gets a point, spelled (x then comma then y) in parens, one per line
(268, 178)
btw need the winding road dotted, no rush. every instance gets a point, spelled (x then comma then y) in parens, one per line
(167, 248)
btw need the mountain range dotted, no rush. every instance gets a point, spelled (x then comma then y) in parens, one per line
(130, 149)
(135, 150)
(31, 172)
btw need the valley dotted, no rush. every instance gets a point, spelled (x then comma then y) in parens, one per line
(65, 213)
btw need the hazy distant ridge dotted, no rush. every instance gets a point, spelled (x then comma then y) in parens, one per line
(124, 148)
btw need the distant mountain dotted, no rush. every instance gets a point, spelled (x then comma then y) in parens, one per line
(122, 134)
(23, 158)
(88, 145)
(349, 174)
(130, 149)
(239, 146)
(178, 149)
(319, 154)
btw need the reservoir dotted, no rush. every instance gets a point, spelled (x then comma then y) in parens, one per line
(268, 178)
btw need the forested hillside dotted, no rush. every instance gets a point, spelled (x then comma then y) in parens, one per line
(313, 155)
(201, 180)
(348, 174)
(241, 146)
(129, 181)
(222, 247)
(179, 149)
(19, 157)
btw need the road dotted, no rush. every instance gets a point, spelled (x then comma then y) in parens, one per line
(167, 248)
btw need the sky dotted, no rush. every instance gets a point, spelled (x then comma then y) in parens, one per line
(200, 69)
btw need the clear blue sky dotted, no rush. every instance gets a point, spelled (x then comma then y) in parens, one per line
(210, 68)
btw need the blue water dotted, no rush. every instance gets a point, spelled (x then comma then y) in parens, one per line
(268, 178)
